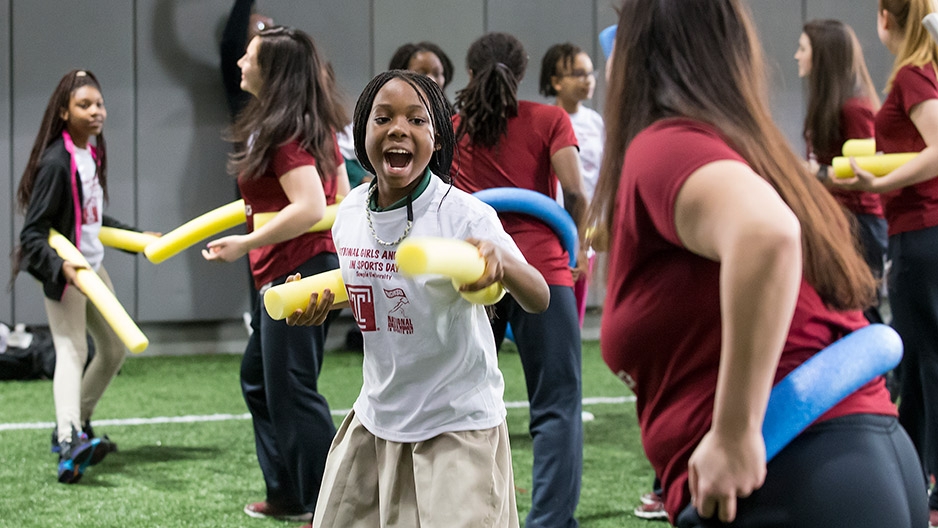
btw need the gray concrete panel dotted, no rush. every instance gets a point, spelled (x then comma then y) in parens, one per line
(539, 24)
(779, 25)
(7, 179)
(181, 157)
(342, 32)
(403, 21)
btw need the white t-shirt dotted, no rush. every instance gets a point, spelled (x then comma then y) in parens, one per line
(590, 135)
(430, 364)
(92, 210)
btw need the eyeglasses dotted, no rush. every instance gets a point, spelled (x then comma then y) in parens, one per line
(580, 74)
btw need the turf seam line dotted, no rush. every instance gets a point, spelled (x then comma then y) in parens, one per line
(199, 418)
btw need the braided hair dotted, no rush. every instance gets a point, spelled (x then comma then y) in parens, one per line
(496, 63)
(431, 95)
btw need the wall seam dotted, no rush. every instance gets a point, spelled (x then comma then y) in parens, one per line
(12, 216)
(135, 150)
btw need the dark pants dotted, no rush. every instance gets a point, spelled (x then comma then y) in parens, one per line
(858, 470)
(293, 427)
(550, 350)
(872, 235)
(913, 298)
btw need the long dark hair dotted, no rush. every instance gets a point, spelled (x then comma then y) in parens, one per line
(838, 73)
(401, 58)
(432, 97)
(701, 59)
(496, 63)
(298, 100)
(51, 129)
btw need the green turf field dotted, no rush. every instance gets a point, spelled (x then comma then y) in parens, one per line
(202, 473)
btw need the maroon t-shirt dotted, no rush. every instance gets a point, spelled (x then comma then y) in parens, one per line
(856, 122)
(916, 206)
(522, 159)
(661, 321)
(265, 195)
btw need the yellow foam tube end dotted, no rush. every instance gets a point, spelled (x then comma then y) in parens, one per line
(859, 147)
(100, 295)
(879, 165)
(284, 299)
(491, 294)
(322, 225)
(456, 259)
(125, 239)
(195, 230)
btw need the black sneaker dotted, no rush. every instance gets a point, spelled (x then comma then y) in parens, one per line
(88, 431)
(107, 442)
(77, 453)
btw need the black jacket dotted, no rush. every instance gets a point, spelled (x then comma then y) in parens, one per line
(52, 206)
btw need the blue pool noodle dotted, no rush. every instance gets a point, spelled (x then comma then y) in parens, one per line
(540, 206)
(824, 380)
(607, 40)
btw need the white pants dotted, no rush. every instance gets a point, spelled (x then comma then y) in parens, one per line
(75, 391)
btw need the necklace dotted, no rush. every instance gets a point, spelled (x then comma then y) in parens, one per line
(371, 226)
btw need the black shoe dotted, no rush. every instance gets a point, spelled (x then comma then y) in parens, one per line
(77, 453)
(88, 431)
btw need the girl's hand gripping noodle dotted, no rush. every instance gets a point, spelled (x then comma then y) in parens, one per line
(822, 381)
(879, 165)
(456, 259)
(195, 230)
(100, 295)
(126, 240)
(284, 299)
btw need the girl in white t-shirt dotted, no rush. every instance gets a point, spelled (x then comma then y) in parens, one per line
(426, 442)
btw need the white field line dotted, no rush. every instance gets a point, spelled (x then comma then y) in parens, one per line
(247, 416)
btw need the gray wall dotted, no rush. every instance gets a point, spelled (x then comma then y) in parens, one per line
(158, 63)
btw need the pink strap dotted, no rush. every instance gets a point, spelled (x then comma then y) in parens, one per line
(73, 170)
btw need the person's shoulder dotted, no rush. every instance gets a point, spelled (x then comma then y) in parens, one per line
(678, 127)
(587, 115)
(858, 107)
(911, 73)
(354, 200)
(55, 156)
(680, 138)
(540, 109)
(593, 114)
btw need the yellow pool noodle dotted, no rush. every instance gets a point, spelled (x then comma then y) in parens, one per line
(125, 239)
(284, 299)
(322, 225)
(100, 295)
(195, 230)
(456, 259)
(859, 147)
(879, 165)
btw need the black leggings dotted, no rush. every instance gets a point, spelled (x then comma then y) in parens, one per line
(858, 470)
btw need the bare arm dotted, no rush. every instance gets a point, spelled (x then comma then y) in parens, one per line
(307, 206)
(566, 165)
(525, 283)
(342, 184)
(727, 213)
